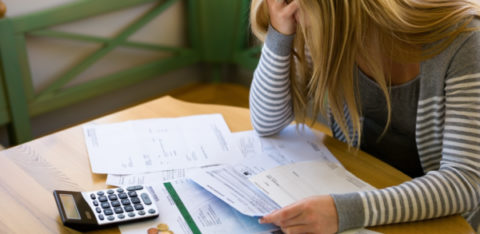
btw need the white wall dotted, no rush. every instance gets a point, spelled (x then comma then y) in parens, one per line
(50, 58)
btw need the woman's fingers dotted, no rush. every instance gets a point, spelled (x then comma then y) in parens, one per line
(275, 4)
(291, 8)
(295, 221)
(281, 216)
(316, 214)
(282, 15)
(296, 229)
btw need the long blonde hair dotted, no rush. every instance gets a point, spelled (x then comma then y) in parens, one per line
(341, 32)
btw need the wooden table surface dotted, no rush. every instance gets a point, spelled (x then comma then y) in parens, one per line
(31, 171)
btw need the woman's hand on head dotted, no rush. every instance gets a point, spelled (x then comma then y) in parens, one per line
(311, 215)
(283, 15)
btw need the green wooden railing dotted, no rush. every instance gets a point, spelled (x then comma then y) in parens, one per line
(217, 33)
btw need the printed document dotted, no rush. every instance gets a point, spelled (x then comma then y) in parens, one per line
(234, 188)
(230, 182)
(152, 145)
(153, 178)
(290, 183)
(209, 214)
(288, 146)
(261, 194)
(259, 153)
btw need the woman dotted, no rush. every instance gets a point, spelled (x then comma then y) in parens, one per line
(399, 79)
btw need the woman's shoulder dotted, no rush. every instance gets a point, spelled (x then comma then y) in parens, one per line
(470, 39)
(461, 56)
(465, 52)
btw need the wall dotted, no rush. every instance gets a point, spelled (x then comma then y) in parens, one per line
(49, 58)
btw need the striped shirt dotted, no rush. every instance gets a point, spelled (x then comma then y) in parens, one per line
(447, 134)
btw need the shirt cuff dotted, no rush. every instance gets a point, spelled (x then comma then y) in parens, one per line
(279, 43)
(350, 211)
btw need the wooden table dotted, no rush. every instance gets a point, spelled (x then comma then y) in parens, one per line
(31, 171)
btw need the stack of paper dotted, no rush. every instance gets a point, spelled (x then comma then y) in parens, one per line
(233, 177)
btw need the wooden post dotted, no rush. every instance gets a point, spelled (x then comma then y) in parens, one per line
(3, 9)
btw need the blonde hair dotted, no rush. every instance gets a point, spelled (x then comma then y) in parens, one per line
(341, 32)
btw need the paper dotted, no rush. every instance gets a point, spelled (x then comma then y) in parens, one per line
(289, 146)
(153, 178)
(209, 213)
(290, 183)
(234, 188)
(168, 214)
(151, 145)
(230, 183)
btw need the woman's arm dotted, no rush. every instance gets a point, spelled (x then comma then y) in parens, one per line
(455, 187)
(270, 100)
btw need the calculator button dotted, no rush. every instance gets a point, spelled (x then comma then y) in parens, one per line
(98, 210)
(95, 203)
(120, 190)
(125, 202)
(111, 218)
(122, 195)
(138, 207)
(121, 216)
(110, 191)
(105, 205)
(131, 188)
(135, 200)
(112, 197)
(102, 198)
(141, 212)
(118, 210)
(138, 187)
(100, 193)
(146, 199)
(131, 214)
(101, 217)
(115, 203)
(92, 196)
(151, 211)
(132, 194)
(108, 211)
(128, 208)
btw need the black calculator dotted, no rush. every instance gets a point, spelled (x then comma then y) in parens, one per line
(92, 210)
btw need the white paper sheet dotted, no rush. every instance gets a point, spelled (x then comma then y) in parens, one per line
(230, 183)
(234, 188)
(290, 183)
(151, 145)
(210, 214)
(153, 178)
(289, 146)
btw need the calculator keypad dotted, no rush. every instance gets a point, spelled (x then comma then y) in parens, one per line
(121, 204)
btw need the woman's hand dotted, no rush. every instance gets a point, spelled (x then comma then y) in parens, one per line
(283, 15)
(311, 215)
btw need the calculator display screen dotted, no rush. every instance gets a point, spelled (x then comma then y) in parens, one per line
(71, 210)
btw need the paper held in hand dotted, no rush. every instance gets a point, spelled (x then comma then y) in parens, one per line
(277, 187)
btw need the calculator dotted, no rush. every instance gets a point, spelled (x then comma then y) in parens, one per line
(92, 210)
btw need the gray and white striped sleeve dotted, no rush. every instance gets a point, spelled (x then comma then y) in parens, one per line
(455, 187)
(270, 100)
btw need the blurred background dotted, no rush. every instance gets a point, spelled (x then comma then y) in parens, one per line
(214, 32)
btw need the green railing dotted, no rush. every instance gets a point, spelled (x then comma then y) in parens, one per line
(217, 33)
